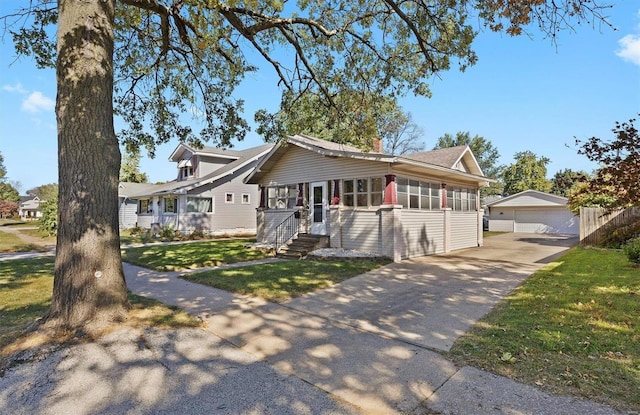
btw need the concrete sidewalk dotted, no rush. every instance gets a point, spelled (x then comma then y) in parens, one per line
(373, 372)
(338, 351)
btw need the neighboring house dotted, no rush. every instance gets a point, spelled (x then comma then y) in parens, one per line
(208, 194)
(395, 206)
(532, 211)
(30, 207)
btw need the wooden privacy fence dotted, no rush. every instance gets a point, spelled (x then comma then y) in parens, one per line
(593, 221)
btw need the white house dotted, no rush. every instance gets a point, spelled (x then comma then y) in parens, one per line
(30, 208)
(396, 206)
(532, 211)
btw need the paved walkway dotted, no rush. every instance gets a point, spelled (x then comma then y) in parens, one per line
(300, 357)
(375, 353)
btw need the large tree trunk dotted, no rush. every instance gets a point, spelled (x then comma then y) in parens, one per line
(89, 286)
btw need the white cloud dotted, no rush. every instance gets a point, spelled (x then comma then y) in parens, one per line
(15, 88)
(37, 102)
(630, 49)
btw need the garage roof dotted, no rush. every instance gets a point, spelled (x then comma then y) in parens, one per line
(530, 198)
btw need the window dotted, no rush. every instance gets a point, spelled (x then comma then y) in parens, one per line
(362, 192)
(145, 206)
(282, 197)
(415, 194)
(199, 205)
(246, 199)
(186, 172)
(170, 205)
(228, 198)
(377, 191)
(461, 199)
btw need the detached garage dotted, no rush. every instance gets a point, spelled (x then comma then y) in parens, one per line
(532, 211)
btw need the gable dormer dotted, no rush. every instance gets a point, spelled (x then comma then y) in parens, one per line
(186, 168)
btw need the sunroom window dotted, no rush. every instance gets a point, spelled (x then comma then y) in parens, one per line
(362, 192)
(415, 194)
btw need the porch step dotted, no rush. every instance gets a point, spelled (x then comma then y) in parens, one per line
(302, 245)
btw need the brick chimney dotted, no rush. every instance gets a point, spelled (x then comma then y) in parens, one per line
(377, 146)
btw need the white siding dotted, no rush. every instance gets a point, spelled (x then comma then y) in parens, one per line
(546, 221)
(144, 221)
(208, 165)
(361, 230)
(464, 230)
(231, 218)
(128, 216)
(423, 232)
(298, 165)
(501, 219)
(272, 219)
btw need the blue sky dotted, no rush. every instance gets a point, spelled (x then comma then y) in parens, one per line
(525, 93)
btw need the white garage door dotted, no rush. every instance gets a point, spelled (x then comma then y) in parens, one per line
(546, 221)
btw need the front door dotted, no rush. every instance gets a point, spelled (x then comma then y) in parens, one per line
(318, 208)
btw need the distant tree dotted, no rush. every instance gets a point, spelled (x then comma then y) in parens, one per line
(400, 134)
(8, 209)
(581, 196)
(130, 168)
(372, 117)
(45, 191)
(528, 173)
(8, 190)
(484, 151)
(618, 178)
(564, 180)
(3, 169)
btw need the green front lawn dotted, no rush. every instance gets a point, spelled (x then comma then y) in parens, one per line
(572, 328)
(177, 257)
(12, 243)
(283, 280)
(26, 287)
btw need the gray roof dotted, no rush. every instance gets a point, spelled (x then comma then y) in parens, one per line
(133, 190)
(445, 157)
(444, 160)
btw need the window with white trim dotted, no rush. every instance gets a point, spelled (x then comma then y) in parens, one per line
(415, 194)
(461, 199)
(363, 192)
(186, 172)
(199, 205)
(229, 198)
(145, 206)
(170, 205)
(282, 197)
(246, 198)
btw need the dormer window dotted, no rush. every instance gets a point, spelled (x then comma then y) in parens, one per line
(185, 169)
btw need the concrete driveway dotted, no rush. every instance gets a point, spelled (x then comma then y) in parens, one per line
(431, 301)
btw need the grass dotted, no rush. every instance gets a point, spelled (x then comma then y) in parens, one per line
(178, 257)
(10, 243)
(281, 281)
(572, 328)
(36, 233)
(25, 295)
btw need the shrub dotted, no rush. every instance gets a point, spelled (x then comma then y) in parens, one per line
(632, 250)
(617, 236)
(167, 233)
(49, 219)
